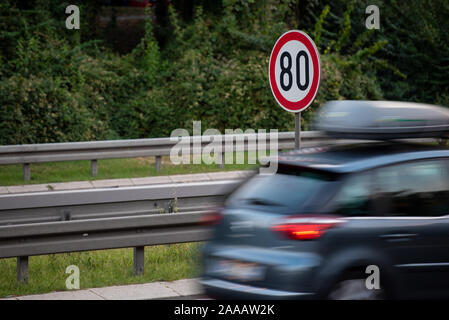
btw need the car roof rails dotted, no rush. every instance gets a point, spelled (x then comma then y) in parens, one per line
(383, 120)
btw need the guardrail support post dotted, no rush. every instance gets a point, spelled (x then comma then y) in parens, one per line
(93, 168)
(26, 172)
(22, 270)
(139, 261)
(221, 160)
(158, 163)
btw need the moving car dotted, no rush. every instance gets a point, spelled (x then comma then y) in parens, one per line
(333, 216)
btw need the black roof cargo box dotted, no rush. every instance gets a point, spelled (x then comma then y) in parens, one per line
(382, 120)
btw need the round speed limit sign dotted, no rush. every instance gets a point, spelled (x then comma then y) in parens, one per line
(294, 71)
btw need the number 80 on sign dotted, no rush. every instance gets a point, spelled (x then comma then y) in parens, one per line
(294, 71)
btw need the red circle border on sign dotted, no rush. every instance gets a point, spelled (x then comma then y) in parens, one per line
(301, 105)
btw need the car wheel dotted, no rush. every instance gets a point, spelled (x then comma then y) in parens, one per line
(355, 289)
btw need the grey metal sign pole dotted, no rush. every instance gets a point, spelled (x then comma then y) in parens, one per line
(297, 130)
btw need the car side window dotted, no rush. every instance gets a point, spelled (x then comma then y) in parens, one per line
(413, 189)
(354, 197)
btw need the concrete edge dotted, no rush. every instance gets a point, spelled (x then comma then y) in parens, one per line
(153, 290)
(126, 182)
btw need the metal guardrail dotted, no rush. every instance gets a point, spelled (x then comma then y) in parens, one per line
(68, 221)
(114, 149)
(72, 205)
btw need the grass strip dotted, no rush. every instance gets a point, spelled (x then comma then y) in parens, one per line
(101, 268)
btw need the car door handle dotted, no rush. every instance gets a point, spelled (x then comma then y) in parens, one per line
(398, 236)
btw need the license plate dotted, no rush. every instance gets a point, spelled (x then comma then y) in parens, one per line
(238, 270)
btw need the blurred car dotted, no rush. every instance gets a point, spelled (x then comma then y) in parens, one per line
(311, 230)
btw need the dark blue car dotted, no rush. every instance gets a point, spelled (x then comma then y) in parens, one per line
(361, 221)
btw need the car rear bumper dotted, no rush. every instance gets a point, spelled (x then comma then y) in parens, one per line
(222, 289)
(277, 273)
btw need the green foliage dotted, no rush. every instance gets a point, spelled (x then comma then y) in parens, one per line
(41, 110)
(409, 51)
(56, 89)
(418, 46)
(319, 25)
(61, 85)
(348, 73)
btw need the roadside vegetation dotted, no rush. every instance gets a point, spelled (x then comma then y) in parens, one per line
(101, 268)
(205, 60)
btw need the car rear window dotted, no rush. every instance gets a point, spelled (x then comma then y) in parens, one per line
(284, 192)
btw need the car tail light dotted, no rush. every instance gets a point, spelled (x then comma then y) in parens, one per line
(211, 218)
(305, 228)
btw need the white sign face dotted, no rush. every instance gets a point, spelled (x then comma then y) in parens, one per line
(294, 71)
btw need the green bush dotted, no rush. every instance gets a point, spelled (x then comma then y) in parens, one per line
(42, 110)
(412, 63)
(60, 85)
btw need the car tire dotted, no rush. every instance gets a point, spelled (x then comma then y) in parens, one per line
(353, 287)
